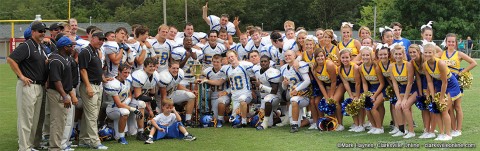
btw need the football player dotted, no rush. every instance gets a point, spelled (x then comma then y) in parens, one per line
(295, 81)
(188, 31)
(240, 47)
(162, 47)
(238, 73)
(170, 87)
(216, 23)
(212, 48)
(143, 83)
(118, 98)
(267, 81)
(143, 48)
(219, 95)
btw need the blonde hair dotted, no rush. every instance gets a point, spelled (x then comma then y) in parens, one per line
(167, 101)
(402, 48)
(163, 26)
(289, 22)
(364, 28)
(346, 50)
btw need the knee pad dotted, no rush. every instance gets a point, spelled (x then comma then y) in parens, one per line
(124, 111)
(141, 104)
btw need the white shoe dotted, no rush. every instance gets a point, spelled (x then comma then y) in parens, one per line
(359, 129)
(424, 134)
(378, 131)
(399, 133)
(409, 135)
(285, 121)
(368, 124)
(439, 137)
(373, 129)
(430, 135)
(352, 128)
(394, 131)
(340, 128)
(264, 124)
(446, 138)
(456, 133)
(312, 127)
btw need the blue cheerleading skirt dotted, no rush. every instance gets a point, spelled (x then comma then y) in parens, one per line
(453, 87)
(403, 87)
(315, 89)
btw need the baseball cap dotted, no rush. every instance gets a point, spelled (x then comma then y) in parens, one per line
(27, 34)
(56, 26)
(63, 41)
(39, 26)
(100, 35)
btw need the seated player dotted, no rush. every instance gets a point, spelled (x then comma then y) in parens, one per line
(219, 95)
(170, 87)
(168, 125)
(119, 97)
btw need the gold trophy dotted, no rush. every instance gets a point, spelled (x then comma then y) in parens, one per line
(197, 69)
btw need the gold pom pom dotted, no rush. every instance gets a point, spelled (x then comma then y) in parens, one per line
(353, 108)
(330, 101)
(465, 80)
(441, 105)
(389, 93)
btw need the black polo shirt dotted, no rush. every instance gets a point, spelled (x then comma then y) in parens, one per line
(60, 69)
(75, 73)
(88, 59)
(30, 58)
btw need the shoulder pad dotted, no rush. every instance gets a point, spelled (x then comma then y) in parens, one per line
(303, 67)
(112, 88)
(273, 75)
(164, 78)
(178, 53)
(139, 77)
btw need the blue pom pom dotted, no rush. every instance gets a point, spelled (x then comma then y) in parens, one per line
(393, 100)
(322, 105)
(344, 106)
(420, 103)
(432, 107)
(368, 103)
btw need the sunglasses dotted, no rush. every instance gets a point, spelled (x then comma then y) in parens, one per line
(42, 31)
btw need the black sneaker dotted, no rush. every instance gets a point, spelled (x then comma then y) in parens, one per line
(189, 137)
(141, 137)
(240, 126)
(188, 123)
(294, 128)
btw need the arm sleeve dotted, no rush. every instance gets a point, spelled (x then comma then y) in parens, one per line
(306, 82)
(20, 53)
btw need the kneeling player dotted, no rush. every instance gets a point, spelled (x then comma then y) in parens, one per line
(168, 125)
(296, 81)
(170, 87)
(268, 79)
(238, 73)
(219, 95)
(119, 96)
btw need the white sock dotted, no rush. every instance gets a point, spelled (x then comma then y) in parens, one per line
(150, 136)
(140, 130)
(220, 118)
(294, 122)
(121, 134)
(244, 120)
(186, 133)
(188, 117)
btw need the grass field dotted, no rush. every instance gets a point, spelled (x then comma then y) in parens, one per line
(279, 138)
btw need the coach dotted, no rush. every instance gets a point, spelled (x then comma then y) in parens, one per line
(28, 61)
(60, 84)
(91, 74)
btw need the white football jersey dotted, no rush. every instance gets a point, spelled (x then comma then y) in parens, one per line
(117, 88)
(239, 78)
(290, 44)
(140, 79)
(209, 52)
(166, 80)
(163, 50)
(212, 75)
(110, 47)
(275, 55)
(137, 49)
(271, 75)
(293, 76)
(250, 46)
(215, 25)
(188, 75)
(195, 37)
(241, 51)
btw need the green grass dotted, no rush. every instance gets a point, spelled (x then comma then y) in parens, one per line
(227, 138)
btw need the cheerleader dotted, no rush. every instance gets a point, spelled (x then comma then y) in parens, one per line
(364, 33)
(302, 35)
(350, 76)
(308, 56)
(440, 79)
(373, 81)
(415, 53)
(330, 47)
(386, 34)
(452, 58)
(319, 34)
(402, 77)
(325, 73)
(347, 40)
